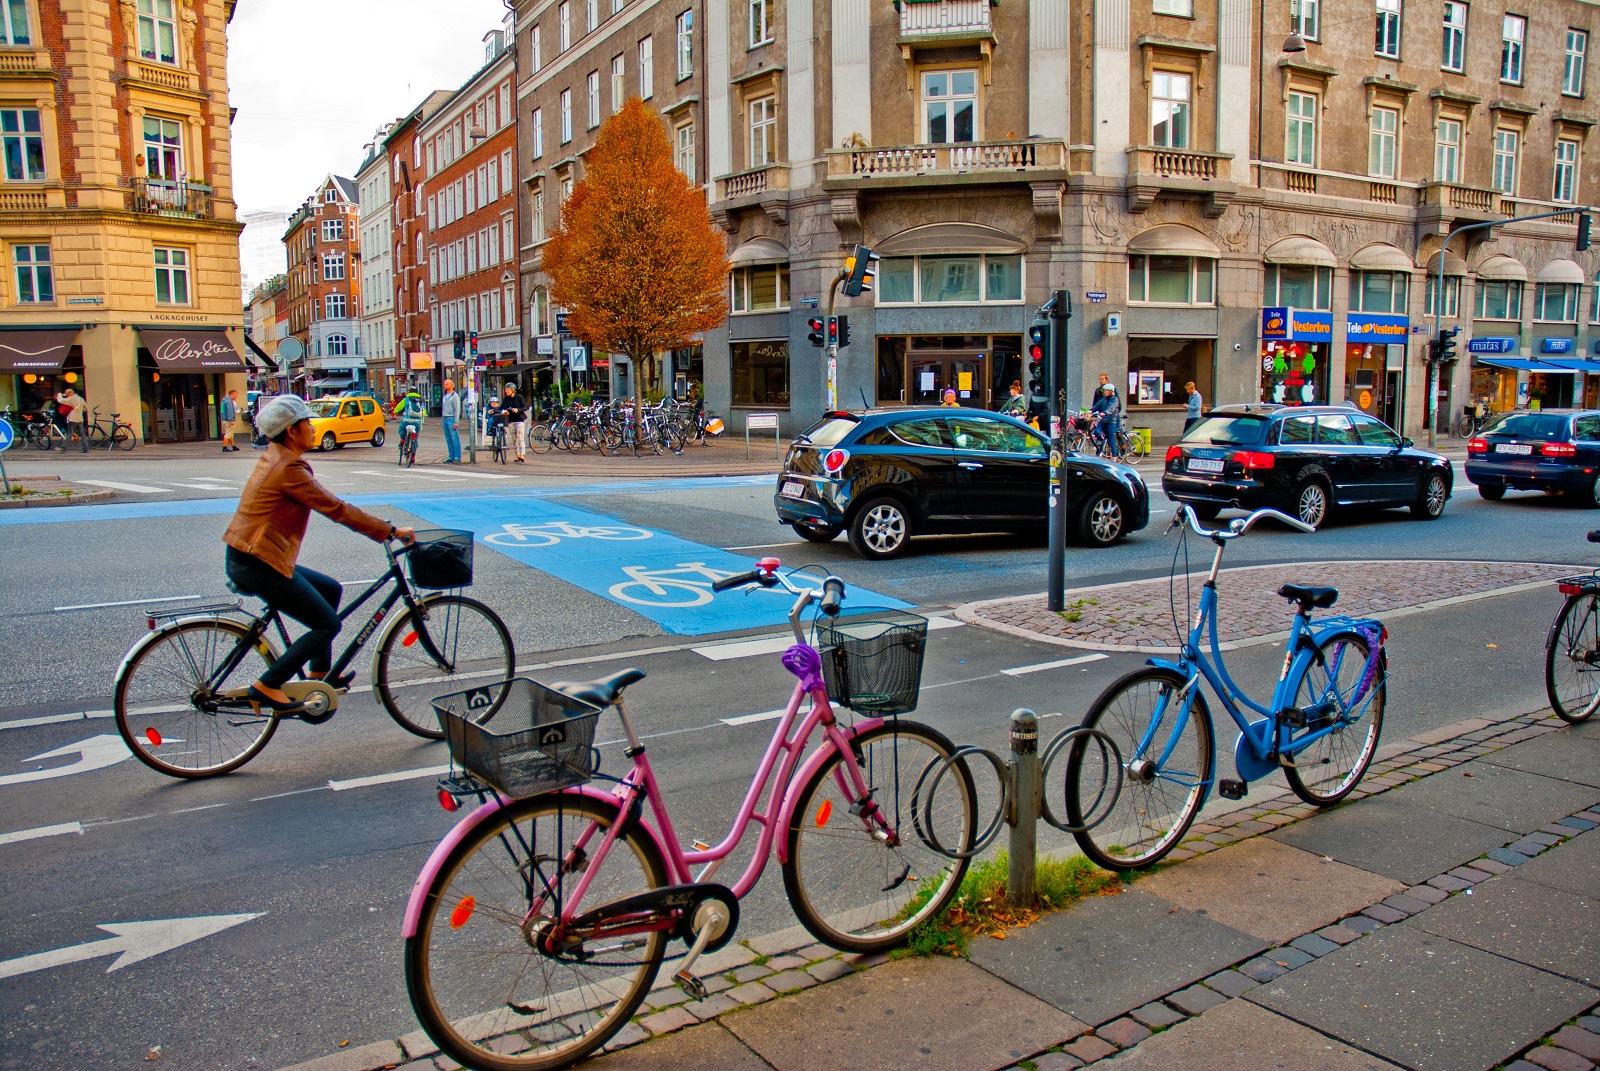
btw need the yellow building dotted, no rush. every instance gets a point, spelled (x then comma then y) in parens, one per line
(117, 222)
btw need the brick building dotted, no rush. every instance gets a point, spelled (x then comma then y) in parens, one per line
(408, 226)
(324, 249)
(117, 221)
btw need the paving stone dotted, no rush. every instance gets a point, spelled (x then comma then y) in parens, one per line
(1527, 846)
(1123, 1033)
(1361, 923)
(1520, 1065)
(1056, 1061)
(1555, 1059)
(1576, 823)
(1430, 893)
(1493, 866)
(1409, 904)
(666, 997)
(752, 993)
(417, 1044)
(630, 1034)
(1555, 831)
(1469, 874)
(1241, 1035)
(418, 1065)
(828, 969)
(1579, 1041)
(1263, 970)
(1508, 857)
(789, 982)
(665, 1022)
(1520, 919)
(1339, 935)
(1156, 1015)
(1231, 983)
(1196, 999)
(1590, 1023)
(1503, 798)
(1568, 756)
(1393, 837)
(711, 1007)
(1287, 957)
(1385, 914)
(362, 1058)
(707, 1047)
(775, 944)
(1313, 945)
(786, 963)
(812, 953)
(1089, 1049)
(862, 960)
(750, 973)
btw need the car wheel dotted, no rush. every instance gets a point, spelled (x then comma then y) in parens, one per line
(1206, 511)
(1429, 505)
(816, 535)
(1591, 498)
(880, 529)
(1311, 503)
(1103, 520)
(1494, 492)
(377, 437)
(328, 441)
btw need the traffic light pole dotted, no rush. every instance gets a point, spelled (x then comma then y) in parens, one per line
(833, 346)
(1059, 310)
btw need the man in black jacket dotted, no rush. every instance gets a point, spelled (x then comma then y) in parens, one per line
(516, 419)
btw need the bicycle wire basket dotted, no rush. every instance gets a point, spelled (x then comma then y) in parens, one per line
(872, 659)
(441, 558)
(542, 740)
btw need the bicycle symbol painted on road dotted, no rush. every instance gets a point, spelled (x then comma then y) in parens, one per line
(687, 584)
(550, 533)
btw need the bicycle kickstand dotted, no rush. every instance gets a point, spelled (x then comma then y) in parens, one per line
(710, 922)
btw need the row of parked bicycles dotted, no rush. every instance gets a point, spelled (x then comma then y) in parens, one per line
(1086, 433)
(40, 431)
(611, 428)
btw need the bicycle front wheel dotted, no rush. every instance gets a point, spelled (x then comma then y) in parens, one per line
(539, 439)
(407, 677)
(482, 983)
(1572, 660)
(859, 881)
(1336, 685)
(1167, 757)
(158, 688)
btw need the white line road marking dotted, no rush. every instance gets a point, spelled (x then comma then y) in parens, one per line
(765, 546)
(1040, 667)
(43, 719)
(459, 474)
(134, 940)
(387, 778)
(206, 486)
(762, 645)
(41, 831)
(402, 476)
(97, 752)
(748, 719)
(125, 602)
(136, 488)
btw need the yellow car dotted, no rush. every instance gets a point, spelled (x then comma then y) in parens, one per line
(346, 420)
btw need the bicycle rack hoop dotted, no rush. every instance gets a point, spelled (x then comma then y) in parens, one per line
(933, 776)
(1100, 808)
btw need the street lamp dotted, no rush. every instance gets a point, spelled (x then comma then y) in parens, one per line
(1294, 42)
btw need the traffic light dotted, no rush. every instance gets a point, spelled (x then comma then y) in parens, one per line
(1039, 364)
(861, 270)
(843, 331)
(816, 326)
(472, 344)
(1433, 348)
(1583, 231)
(1447, 343)
(461, 345)
(833, 330)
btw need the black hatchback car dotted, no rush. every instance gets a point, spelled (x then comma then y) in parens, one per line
(1549, 450)
(1304, 460)
(884, 475)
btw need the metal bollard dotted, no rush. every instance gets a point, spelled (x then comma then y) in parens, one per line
(1026, 799)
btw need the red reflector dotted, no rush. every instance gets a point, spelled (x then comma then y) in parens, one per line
(824, 813)
(411, 637)
(463, 911)
(150, 623)
(1560, 450)
(153, 736)
(1569, 589)
(1174, 451)
(1477, 446)
(1383, 636)
(835, 459)
(447, 801)
(1255, 459)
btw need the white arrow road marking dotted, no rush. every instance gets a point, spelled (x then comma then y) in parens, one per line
(41, 831)
(135, 941)
(95, 753)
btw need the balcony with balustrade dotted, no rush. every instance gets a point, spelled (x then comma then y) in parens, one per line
(173, 198)
(1157, 170)
(1442, 206)
(930, 23)
(765, 187)
(1019, 160)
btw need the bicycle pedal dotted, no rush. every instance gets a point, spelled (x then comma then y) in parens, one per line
(690, 985)
(1231, 790)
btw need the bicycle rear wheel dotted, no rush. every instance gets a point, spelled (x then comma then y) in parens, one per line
(1325, 771)
(1572, 659)
(539, 439)
(155, 700)
(862, 886)
(481, 985)
(123, 438)
(1164, 781)
(474, 643)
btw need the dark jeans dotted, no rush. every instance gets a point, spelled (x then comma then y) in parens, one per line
(308, 597)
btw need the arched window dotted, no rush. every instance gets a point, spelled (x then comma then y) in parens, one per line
(338, 346)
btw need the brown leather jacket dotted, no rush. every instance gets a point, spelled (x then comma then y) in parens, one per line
(276, 505)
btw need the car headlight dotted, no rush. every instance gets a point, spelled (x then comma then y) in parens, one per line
(1132, 481)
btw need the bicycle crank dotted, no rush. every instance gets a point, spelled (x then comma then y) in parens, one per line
(317, 701)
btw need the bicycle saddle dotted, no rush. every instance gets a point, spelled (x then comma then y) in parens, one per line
(1321, 598)
(603, 691)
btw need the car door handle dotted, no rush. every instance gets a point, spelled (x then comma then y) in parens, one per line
(970, 464)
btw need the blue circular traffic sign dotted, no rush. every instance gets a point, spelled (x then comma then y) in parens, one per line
(7, 436)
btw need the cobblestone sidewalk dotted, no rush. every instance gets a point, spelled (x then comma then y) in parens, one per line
(1138, 616)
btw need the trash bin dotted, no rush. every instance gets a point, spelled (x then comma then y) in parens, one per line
(1143, 435)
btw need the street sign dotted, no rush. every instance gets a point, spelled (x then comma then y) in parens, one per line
(761, 420)
(134, 941)
(1095, 296)
(561, 323)
(7, 435)
(545, 345)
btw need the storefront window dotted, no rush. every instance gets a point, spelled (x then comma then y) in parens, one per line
(1452, 295)
(1158, 368)
(1294, 373)
(761, 373)
(972, 279)
(1378, 291)
(1167, 280)
(1500, 300)
(761, 288)
(1556, 302)
(1297, 286)
(1372, 380)
(891, 369)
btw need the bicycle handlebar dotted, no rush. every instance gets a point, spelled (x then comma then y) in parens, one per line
(1594, 537)
(1239, 525)
(754, 576)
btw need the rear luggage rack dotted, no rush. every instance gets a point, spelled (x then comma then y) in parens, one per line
(201, 609)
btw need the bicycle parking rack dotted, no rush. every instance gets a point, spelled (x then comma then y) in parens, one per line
(1023, 801)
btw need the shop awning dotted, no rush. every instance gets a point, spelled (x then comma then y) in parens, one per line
(1520, 363)
(263, 362)
(1576, 363)
(43, 350)
(191, 351)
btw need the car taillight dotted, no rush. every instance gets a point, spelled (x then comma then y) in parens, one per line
(1477, 446)
(835, 460)
(1174, 451)
(1559, 450)
(1255, 459)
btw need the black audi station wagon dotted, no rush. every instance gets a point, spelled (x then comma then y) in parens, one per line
(884, 475)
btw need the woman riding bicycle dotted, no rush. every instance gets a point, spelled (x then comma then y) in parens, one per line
(264, 540)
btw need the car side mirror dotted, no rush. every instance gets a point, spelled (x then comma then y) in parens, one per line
(1406, 443)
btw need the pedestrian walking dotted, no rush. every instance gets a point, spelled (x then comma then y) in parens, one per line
(72, 409)
(1191, 413)
(1109, 406)
(230, 417)
(516, 417)
(1015, 405)
(449, 415)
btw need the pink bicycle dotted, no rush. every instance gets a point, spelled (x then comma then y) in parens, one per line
(539, 923)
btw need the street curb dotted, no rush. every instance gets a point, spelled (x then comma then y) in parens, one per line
(75, 497)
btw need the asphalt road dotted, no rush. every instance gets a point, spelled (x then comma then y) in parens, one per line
(325, 859)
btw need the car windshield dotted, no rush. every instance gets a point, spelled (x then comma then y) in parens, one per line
(1227, 429)
(325, 408)
(1547, 426)
(829, 432)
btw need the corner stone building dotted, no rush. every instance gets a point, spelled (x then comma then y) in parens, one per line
(1258, 220)
(117, 223)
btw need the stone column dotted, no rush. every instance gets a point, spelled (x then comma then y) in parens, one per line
(852, 70)
(111, 372)
(1112, 86)
(1049, 68)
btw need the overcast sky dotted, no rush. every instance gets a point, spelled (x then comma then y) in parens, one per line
(314, 79)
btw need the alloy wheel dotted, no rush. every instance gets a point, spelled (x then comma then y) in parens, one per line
(1434, 496)
(884, 529)
(1105, 519)
(1311, 506)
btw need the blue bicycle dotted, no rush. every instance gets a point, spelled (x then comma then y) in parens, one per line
(1321, 728)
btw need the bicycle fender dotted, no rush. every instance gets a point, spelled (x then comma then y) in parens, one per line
(263, 645)
(791, 798)
(1162, 663)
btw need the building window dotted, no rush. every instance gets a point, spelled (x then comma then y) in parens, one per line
(566, 190)
(1379, 291)
(760, 22)
(1305, 17)
(1566, 177)
(1388, 43)
(760, 373)
(1173, 7)
(540, 310)
(949, 107)
(591, 13)
(763, 131)
(566, 116)
(163, 148)
(1556, 302)
(647, 68)
(1499, 300)
(618, 84)
(1382, 135)
(1452, 296)
(538, 132)
(158, 31)
(535, 59)
(1169, 110)
(1506, 145)
(686, 151)
(1302, 129)
(538, 216)
(333, 230)
(1514, 31)
(1572, 72)
(24, 144)
(594, 99)
(617, 6)
(333, 307)
(1298, 286)
(1447, 151)
(1164, 280)
(564, 25)
(14, 22)
(967, 279)
(761, 288)
(332, 267)
(172, 276)
(1454, 55)
(685, 44)
(337, 346)
(35, 284)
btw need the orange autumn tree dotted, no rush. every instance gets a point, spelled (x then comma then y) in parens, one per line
(635, 261)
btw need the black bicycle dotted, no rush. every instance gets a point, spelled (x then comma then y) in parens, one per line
(1572, 650)
(113, 434)
(180, 699)
(408, 446)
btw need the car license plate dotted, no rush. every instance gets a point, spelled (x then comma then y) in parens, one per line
(793, 489)
(1205, 464)
(1513, 448)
